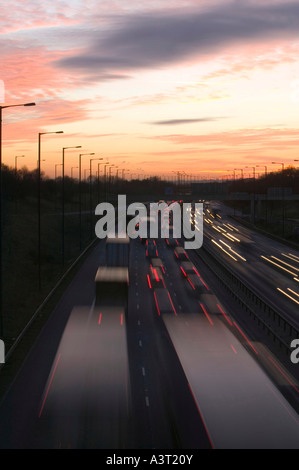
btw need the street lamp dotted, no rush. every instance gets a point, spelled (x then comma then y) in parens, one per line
(283, 198)
(253, 168)
(39, 201)
(242, 171)
(90, 192)
(266, 200)
(99, 164)
(80, 194)
(63, 199)
(56, 166)
(1, 231)
(16, 162)
(263, 166)
(279, 163)
(105, 180)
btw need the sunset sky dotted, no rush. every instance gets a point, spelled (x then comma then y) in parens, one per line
(200, 86)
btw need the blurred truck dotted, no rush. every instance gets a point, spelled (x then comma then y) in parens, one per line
(117, 251)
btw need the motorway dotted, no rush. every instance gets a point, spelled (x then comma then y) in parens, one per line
(267, 265)
(188, 379)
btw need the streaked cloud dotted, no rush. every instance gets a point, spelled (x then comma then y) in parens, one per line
(140, 41)
(175, 122)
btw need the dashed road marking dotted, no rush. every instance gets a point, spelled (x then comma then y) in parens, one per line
(147, 401)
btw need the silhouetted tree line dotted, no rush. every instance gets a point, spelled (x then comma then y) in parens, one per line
(24, 184)
(288, 178)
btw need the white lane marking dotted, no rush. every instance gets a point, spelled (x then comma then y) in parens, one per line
(147, 401)
(140, 344)
(143, 371)
(137, 306)
(139, 323)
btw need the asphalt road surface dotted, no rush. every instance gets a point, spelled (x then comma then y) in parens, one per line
(100, 379)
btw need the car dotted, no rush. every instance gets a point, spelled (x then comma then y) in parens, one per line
(171, 242)
(151, 249)
(155, 278)
(157, 263)
(180, 254)
(187, 268)
(196, 283)
(163, 302)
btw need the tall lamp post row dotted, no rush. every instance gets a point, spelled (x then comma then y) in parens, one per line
(254, 177)
(39, 200)
(1, 216)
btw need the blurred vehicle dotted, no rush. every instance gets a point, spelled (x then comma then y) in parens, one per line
(181, 254)
(112, 287)
(155, 278)
(163, 302)
(171, 242)
(117, 251)
(196, 283)
(151, 249)
(187, 268)
(157, 263)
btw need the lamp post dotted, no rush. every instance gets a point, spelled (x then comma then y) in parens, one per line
(99, 164)
(80, 194)
(263, 166)
(279, 163)
(16, 162)
(63, 199)
(105, 180)
(253, 169)
(90, 192)
(241, 170)
(283, 198)
(39, 201)
(110, 176)
(56, 166)
(266, 173)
